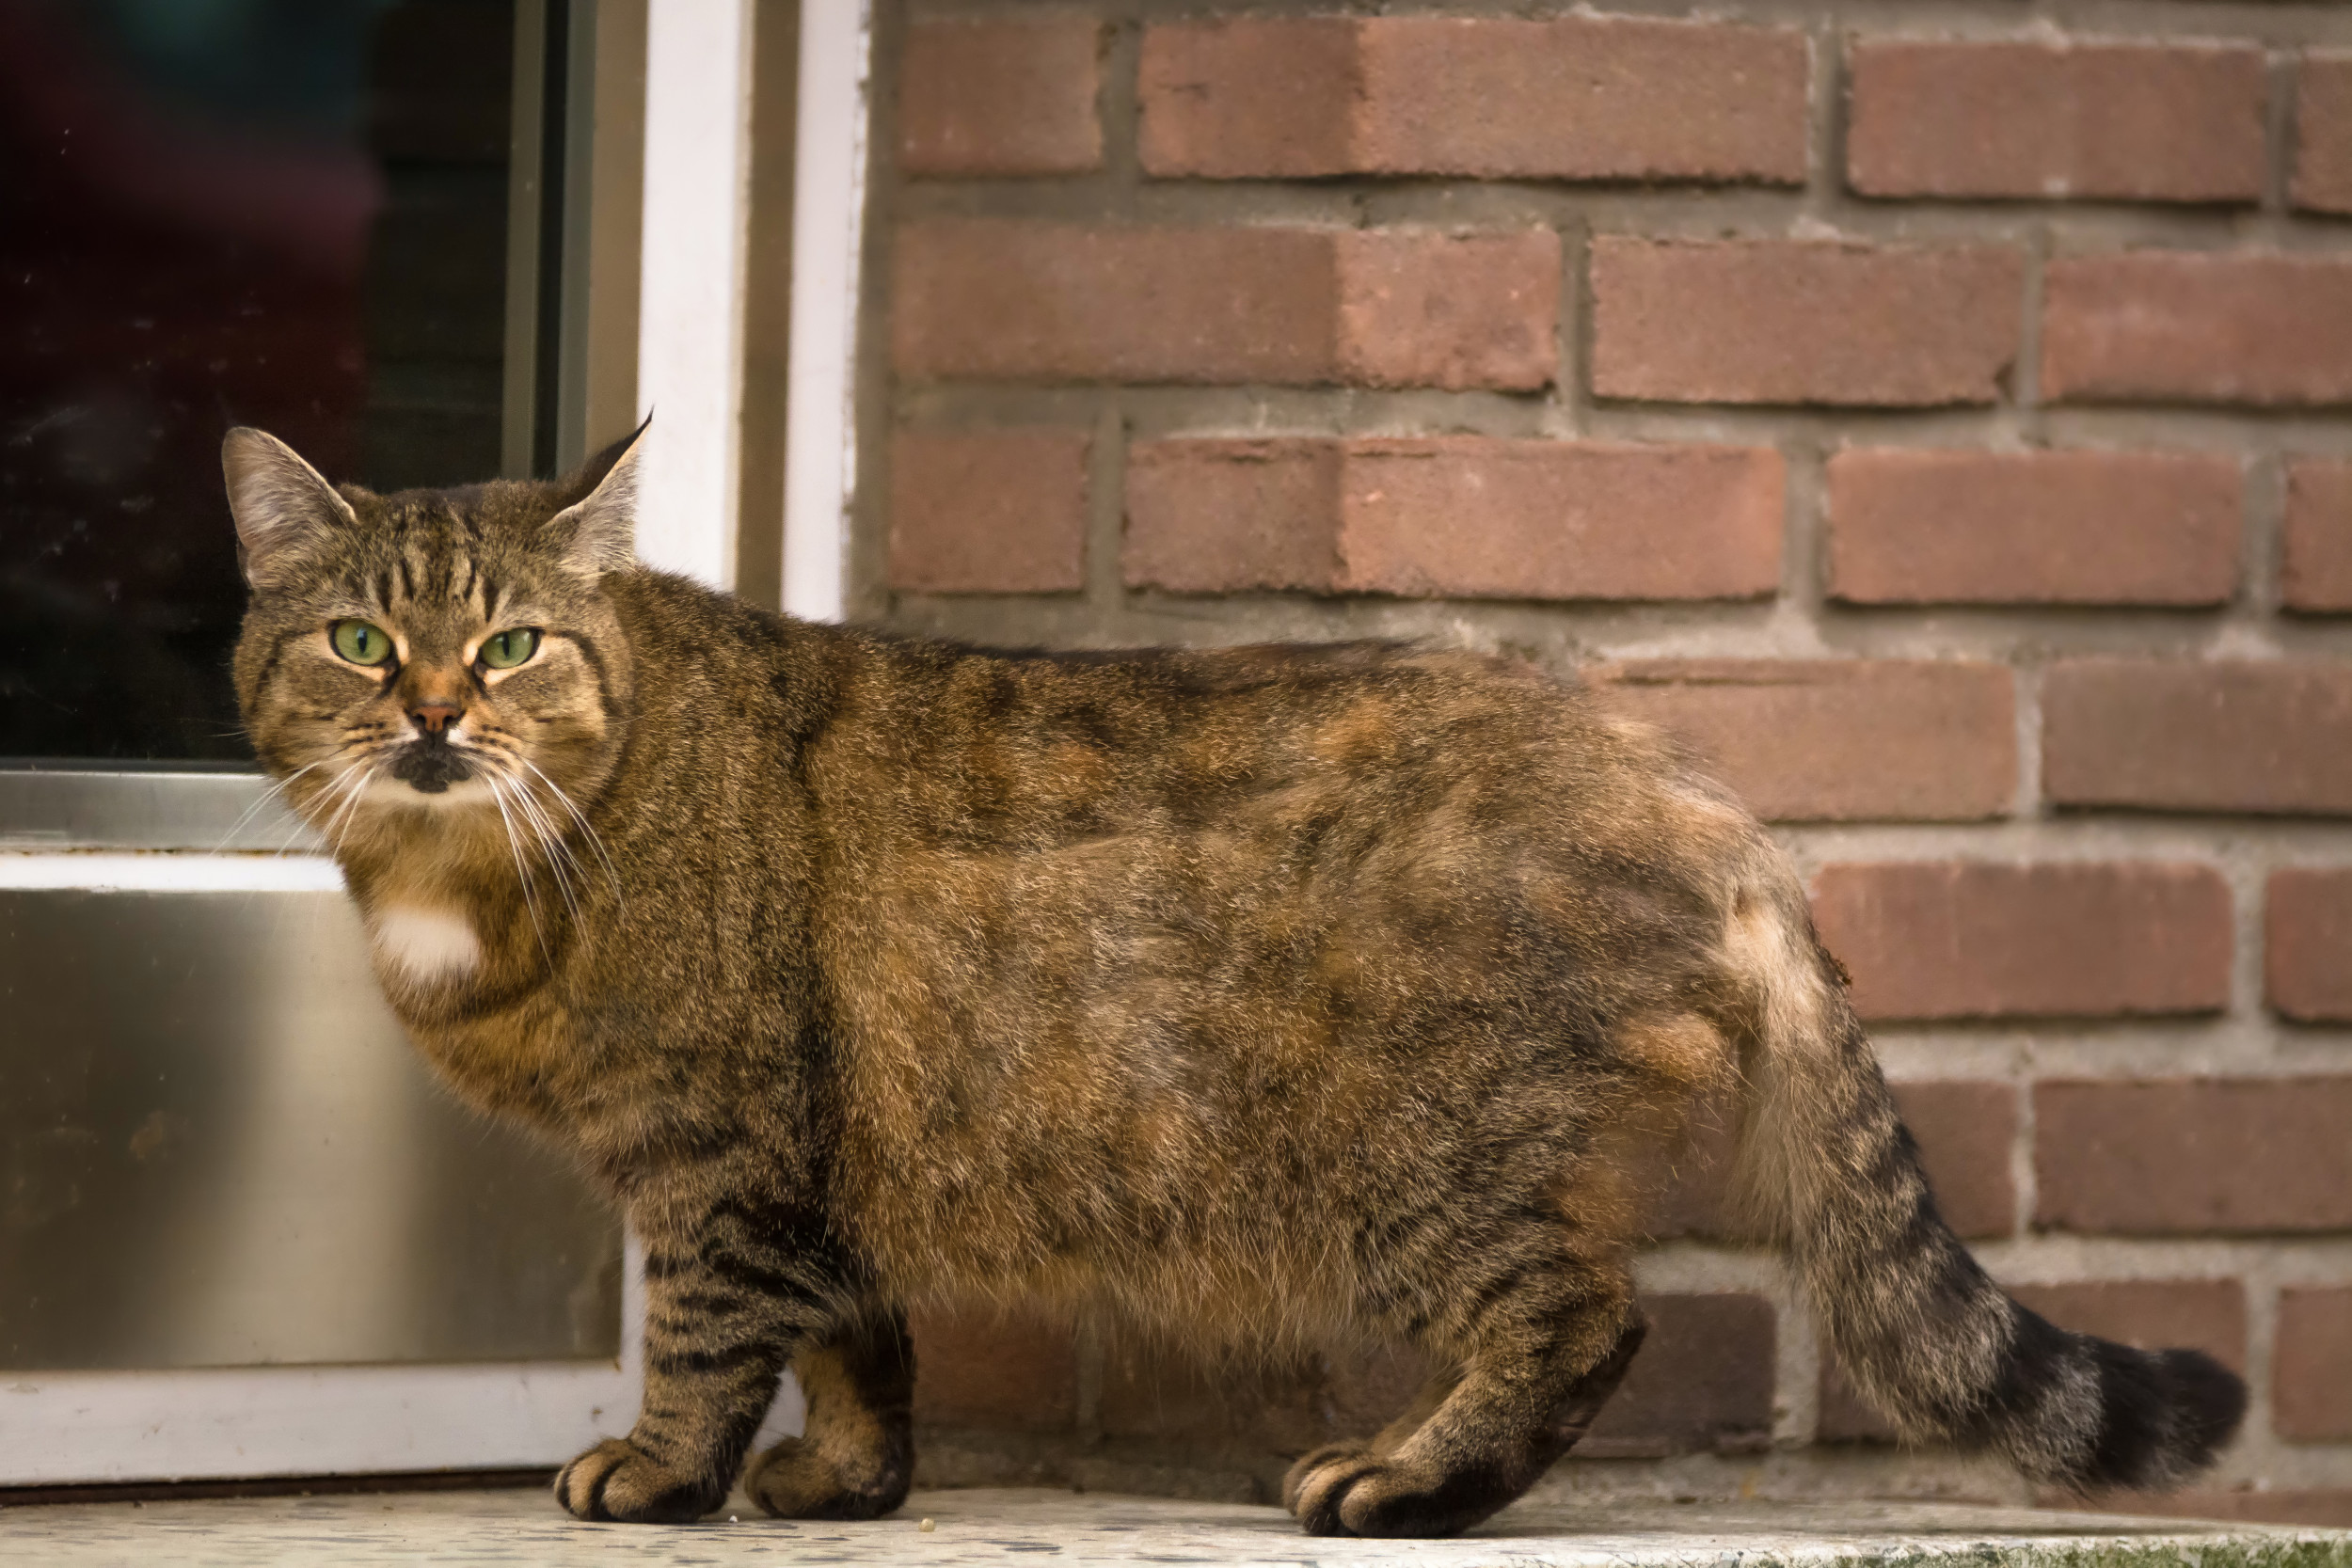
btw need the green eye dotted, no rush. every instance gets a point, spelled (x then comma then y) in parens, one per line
(504, 650)
(361, 642)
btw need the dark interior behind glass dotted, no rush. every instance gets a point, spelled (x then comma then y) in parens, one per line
(290, 214)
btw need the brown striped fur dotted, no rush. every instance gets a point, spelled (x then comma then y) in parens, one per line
(1276, 994)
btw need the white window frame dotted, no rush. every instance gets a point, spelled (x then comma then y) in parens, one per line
(238, 1422)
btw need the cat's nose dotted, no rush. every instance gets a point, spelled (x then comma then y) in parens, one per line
(434, 715)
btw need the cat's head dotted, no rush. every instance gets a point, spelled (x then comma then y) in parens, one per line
(431, 657)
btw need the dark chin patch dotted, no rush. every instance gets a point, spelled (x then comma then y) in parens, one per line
(430, 767)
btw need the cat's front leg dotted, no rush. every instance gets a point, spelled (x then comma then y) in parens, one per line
(730, 1296)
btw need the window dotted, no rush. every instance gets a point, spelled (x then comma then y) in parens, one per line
(301, 214)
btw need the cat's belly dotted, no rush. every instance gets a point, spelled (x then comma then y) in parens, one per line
(1272, 1167)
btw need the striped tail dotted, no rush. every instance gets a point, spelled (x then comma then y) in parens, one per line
(1827, 1167)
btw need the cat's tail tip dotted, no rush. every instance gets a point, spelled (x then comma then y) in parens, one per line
(2162, 1417)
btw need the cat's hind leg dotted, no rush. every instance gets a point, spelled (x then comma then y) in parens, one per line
(1550, 1357)
(856, 1455)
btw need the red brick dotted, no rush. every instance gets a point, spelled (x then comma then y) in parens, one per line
(1002, 513)
(1242, 97)
(1702, 1381)
(1559, 98)
(1474, 518)
(2207, 1315)
(1222, 516)
(1012, 96)
(2277, 1506)
(2267, 736)
(998, 300)
(977, 1368)
(2011, 118)
(2307, 944)
(1786, 321)
(2196, 327)
(1839, 740)
(1419, 308)
(2315, 563)
(2311, 1366)
(2058, 940)
(2323, 134)
(1965, 1131)
(2033, 527)
(1052, 302)
(1461, 517)
(2151, 1314)
(2188, 1156)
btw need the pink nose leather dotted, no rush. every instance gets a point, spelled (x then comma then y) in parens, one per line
(435, 717)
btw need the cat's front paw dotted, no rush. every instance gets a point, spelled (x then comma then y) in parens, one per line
(618, 1481)
(800, 1480)
(1307, 1487)
(1348, 1490)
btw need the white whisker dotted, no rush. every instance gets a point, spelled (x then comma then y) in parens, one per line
(587, 829)
(522, 872)
(323, 805)
(535, 818)
(337, 798)
(276, 790)
(344, 818)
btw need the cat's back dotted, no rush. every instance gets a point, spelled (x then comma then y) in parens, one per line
(1193, 827)
(997, 749)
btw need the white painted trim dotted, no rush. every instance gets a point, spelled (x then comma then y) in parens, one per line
(163, 871)
(828, 234)
(58, 1428)
(689, 308)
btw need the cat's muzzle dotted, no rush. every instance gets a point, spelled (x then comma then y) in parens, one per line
(430, 765)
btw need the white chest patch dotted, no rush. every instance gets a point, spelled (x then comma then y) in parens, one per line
(426, 945)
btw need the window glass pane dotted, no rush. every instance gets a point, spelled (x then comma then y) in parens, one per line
(290, 214)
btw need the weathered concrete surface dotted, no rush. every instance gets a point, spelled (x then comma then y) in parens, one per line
(989, 1526)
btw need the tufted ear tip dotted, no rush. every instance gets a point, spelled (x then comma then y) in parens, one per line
(598, 534)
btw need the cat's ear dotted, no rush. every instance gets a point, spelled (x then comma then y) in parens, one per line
(598, 534)
(282, 507)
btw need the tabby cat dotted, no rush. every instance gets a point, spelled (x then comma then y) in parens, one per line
(1305, 993)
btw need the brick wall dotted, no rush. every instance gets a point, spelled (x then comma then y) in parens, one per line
(1940, 412)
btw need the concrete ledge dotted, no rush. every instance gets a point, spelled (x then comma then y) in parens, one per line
(999, 1527)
